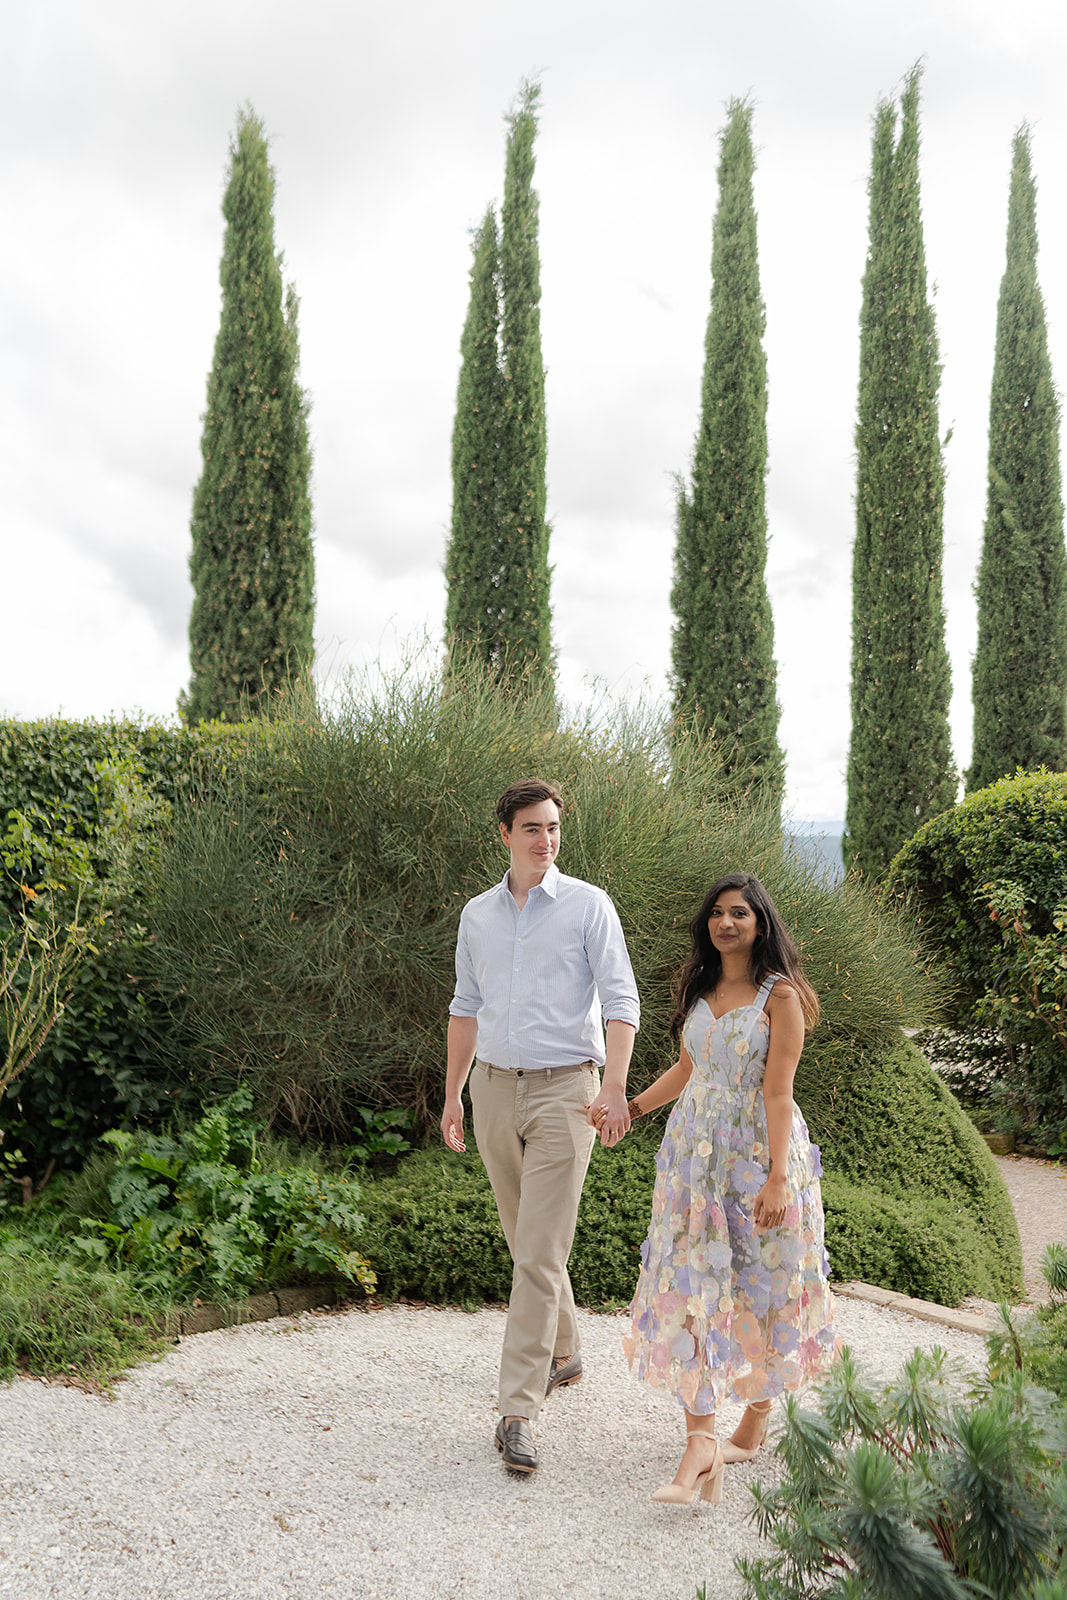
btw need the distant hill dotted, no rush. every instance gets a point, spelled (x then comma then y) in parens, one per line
(819, 842)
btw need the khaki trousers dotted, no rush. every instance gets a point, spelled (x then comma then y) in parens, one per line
(535, 1142)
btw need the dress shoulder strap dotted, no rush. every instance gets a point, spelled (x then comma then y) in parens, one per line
(765, 988)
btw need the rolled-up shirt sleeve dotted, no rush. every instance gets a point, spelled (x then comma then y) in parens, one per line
(467, 999)
(609, 963)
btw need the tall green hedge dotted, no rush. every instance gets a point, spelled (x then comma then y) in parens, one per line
(936, 1214)
(57, 766)
(91, 794)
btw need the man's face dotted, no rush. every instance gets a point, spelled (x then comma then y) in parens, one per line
(533, 837)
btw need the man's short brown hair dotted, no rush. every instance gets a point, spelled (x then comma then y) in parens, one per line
(527, 792)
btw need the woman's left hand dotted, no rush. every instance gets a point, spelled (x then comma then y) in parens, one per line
(768, 1211)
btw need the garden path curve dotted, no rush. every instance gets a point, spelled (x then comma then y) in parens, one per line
(1038, 1191)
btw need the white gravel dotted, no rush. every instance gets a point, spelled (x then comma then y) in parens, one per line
(351, 1455)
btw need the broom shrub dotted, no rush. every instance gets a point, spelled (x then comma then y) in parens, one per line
(305, 916)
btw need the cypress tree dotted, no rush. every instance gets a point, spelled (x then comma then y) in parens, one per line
(252, 564)
(500, 553)
(476, 560)
(1020, 666)
(900, 766)
(722, 657)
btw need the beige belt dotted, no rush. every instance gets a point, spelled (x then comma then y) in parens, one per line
(533, 1072)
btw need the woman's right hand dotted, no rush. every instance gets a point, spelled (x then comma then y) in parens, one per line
(768, 1210)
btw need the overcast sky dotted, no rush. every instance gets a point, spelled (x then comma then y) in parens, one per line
(387, 137)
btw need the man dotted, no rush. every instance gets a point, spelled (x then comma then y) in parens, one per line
(539, 959)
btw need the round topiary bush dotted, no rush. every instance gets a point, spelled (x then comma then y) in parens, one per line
(1013, 833)
(988, 884)
(937, 1216)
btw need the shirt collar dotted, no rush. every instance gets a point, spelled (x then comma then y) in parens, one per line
(549, 883)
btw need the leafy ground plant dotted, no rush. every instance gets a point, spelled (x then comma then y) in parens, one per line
(195, 1213)
(382, 1137)
(917, 1491)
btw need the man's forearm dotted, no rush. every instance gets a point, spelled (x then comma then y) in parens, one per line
(619, 1048)
(462, 1044)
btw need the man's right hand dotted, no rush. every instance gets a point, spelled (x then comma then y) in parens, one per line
(452, 1125)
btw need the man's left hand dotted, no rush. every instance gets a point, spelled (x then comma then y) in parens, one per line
(609, 1116)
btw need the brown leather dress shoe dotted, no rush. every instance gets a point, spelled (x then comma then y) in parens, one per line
(515, 1443)
(562, 1373)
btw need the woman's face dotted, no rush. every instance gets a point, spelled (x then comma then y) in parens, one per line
(732, 925)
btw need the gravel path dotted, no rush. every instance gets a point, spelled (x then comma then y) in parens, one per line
(350, 1455)
(1038, 1191)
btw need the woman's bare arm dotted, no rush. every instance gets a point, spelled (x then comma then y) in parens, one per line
(783, 1053)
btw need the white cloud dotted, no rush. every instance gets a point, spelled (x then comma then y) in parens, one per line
(388, 141)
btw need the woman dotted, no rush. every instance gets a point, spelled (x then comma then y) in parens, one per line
(732, 1297)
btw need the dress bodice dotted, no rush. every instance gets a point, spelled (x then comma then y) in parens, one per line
(729, 1052)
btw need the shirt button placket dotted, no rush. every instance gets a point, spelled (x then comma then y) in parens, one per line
(516, 984)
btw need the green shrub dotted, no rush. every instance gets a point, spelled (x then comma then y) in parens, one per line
(913, 1491)
(61, 1316)
(915, 1244)
(924, 1211)
(902, 1137)
(1015, 831)
(308, 916)
(432, 1231)
(988, 884)
(196, 1213)
(80, 804)
(54, 767)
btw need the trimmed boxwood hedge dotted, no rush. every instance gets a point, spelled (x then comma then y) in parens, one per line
(918, 1245)
(913, 1200)
(55, 765)
(1015, 831)
(908, 1144)
(432, 1230)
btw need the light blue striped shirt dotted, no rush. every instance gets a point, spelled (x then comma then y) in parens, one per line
(537, 979)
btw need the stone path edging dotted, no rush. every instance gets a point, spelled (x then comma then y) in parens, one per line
(290, 1302)
(260, 1308)
(926, 1310)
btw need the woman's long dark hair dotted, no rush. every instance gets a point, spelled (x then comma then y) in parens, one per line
(773, 951)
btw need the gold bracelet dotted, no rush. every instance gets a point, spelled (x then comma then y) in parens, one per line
(634, 1109)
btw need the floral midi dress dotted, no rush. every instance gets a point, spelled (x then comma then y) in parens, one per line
(721, 1308)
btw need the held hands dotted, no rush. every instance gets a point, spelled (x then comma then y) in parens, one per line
(768, 1210)
(608, 1114)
